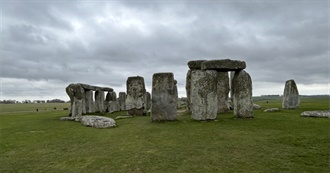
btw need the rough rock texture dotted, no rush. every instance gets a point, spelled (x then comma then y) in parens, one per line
(147, 101)
(223, 91)
(204, 97)
(136, 112)
(111, 103)
(242, 95)
(70, 118)
(188, 90)
(196, 64)
(231, 74)
(123, 117)
(121, 100)
(89, 101)
(321, 114)
(135, 93)
(256, 106)
(224, 65)
(291, 98)
(98, 121)
(99, 101)
(272, 110)
(76, 94)
(164, 97)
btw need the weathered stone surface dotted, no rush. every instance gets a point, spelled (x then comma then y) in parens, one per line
(204, 97)
(318, 113)
(231, 76)
(98, 121)
(196, 64)
(136, 112)
(122, 101)
(70, 119)
(94, 88)
(223, 91)
(164, 97)
(242, 95)
(223, 65)
(99, 101)
(256, 106)
(147, 101)
(272, 110)
(291, 98)
(111, 103)
(76, 94)
(123, 117)
(89, 102)
(188, 90)
(135, 93)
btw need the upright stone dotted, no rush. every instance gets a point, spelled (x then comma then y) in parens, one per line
(291, 98)
(121, 100)
(147, 101)
(89, 102)
(231, 74)
(223, 91)
(163, 97)
(188, 90)
(99, 101)
(176, 93)
(77, 94)
(135, 95)
(242, 95)
(204, 97)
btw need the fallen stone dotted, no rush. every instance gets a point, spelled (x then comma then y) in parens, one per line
(70, 118)
(98, 121)
(256, 106)
(223, 65)
(291, 98)
(196, 64)
(272, 110)
(318, 113)
(123, 117)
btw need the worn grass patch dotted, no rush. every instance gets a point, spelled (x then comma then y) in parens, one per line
(271, 142)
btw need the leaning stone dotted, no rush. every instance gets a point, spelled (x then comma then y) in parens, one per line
(224, 65)
(98, 121)
(321, 114)
(242, 95)
(196, 64)
(204, 98)
(135, 93)
(272, 110)
(291, 98)
(164, 97)
(223, 91)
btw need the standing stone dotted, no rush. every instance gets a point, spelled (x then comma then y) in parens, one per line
(99, 101)
(135, 95)
(121, 100)
(204, 97)
(188, 90)
(231, 74)
(242, 95)
(69, 91)
(176, 94)
(112, 105)
(77, 93)
(223, 91)
(291, 98)
(89, 102)
(164, 97)
(147, 101)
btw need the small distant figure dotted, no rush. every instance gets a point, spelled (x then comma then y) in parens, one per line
(37, 110)
(54, 108)
(266, 101)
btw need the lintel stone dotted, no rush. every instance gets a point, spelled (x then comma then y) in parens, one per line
(223, 65)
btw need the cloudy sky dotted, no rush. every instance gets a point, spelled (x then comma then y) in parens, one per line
(46, 45)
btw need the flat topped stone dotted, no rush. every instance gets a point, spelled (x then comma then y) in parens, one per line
(223, 65)
(196, 64)
(94, 88)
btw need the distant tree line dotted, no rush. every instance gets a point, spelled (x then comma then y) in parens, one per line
(34, 101)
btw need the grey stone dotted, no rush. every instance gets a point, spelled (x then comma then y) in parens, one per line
(123, 117)
(164, 97)
(188, 90)
(223, 91)
(77, 95)
(291, 98)
(98, 121)
(135, 93)
(242, 95)
(196, 64)
(112, 105)
(121, 100)
(89, 101)
(272, 110)
(317, 113)
(203, 96)
(70, 119)
(223, 65)
(256, 106)
(147, 101)
(99, 101)
(136, 112)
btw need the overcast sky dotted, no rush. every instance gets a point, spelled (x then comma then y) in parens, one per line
(46, 45)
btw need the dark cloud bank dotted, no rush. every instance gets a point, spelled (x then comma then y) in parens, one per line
(45, 45)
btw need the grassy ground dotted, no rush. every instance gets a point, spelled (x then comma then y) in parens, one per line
(23, 107)
(270, 142)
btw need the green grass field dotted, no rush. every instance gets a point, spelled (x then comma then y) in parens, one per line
(271, 142)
